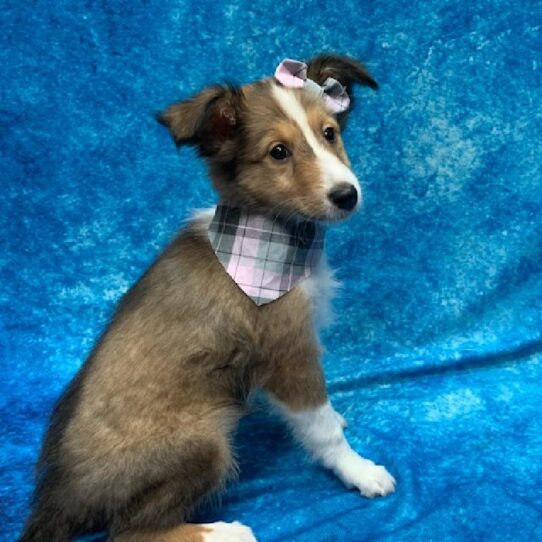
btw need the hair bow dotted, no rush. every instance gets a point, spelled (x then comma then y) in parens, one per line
(293, 74)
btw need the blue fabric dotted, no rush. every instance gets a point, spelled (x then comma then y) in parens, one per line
(435, 358)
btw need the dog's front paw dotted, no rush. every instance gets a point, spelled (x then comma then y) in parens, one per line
(376, 481)
(371, 480)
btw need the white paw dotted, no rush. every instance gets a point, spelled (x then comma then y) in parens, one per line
(228, 532)
(371, 480)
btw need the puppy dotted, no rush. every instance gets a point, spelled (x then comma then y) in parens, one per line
(143, 433)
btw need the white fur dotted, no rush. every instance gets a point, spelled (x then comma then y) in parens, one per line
(320, 431)
(228, 532)
(334, 172)
(202, 218)
(320, 288)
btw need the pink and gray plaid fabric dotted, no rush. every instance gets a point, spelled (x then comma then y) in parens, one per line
(293, 74)
(265, 255)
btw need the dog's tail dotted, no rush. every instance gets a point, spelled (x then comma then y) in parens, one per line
(49, 520)
(56, 515)
(45, 527)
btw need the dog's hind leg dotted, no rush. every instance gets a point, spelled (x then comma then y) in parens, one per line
(189, 532)
(156, 512)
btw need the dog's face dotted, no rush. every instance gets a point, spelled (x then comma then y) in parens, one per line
(272, 148)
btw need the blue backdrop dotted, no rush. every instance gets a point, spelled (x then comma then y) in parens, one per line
(435, 358)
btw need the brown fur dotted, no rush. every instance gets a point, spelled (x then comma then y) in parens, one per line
(143, 433)
(241, 168)
(182, 533)
(348, 71)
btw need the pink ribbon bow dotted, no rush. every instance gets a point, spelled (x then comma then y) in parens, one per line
(293, 74)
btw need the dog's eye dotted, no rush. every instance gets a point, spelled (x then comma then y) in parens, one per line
(279, 152)
(329, 134)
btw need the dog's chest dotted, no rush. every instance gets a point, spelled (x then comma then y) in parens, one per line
(318, 289)
(292, 322)
(298, 313)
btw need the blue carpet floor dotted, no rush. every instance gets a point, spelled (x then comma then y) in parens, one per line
(436, 356)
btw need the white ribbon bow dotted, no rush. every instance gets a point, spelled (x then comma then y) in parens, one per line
(293, 74)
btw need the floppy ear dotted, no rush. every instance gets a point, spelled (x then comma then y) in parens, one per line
(344, 69)
(206, 120)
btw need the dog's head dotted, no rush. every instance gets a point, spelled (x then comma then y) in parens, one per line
(275, 148)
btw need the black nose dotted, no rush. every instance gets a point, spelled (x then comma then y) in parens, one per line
(345, 196)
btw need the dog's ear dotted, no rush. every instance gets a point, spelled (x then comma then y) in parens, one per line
(344, 69)
(206, 120)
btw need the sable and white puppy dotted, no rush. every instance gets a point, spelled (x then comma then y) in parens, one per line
(143, 433)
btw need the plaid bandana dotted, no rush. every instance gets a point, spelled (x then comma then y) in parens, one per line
(265, 255)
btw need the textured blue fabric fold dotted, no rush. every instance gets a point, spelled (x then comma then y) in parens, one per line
(435, 357)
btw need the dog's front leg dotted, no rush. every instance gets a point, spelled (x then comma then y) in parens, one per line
(320, 431)
(302, 400)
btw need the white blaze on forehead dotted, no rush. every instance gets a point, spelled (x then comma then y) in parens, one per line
(334, 172)
(292, 107)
